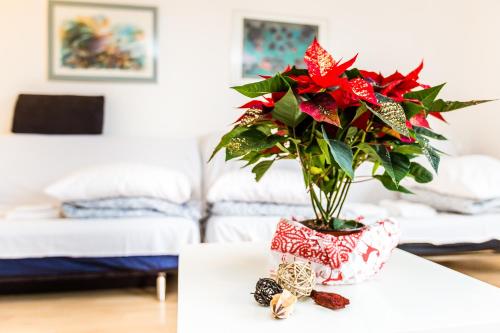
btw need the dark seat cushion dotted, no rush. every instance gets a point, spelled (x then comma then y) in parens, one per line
(58, 114)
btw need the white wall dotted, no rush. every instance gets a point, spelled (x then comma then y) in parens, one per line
(458, 40)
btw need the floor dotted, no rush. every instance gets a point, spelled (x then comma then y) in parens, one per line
(136, 310)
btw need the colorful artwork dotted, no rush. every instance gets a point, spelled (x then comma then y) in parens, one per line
(102, 42)
(92, 42)
(268, 47)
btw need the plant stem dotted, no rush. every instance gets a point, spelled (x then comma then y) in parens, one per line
(343, 199)
(307, 180)
(336, 188)
(345, 186)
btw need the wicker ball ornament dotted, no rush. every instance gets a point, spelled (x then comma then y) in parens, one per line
(265, 289)
(297, 277)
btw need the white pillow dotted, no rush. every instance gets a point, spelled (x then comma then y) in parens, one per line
(277, 186)
(122, 180)
(472, 176)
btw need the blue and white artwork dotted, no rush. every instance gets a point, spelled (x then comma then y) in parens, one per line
(269, 46)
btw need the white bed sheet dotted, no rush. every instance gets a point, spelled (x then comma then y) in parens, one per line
(96, 237)
(439, 230)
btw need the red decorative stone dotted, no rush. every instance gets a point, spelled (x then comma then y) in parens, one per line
(329, 300)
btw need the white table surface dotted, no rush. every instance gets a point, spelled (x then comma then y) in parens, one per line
(410, 294)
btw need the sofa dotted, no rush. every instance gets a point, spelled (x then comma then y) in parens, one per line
(54, 247)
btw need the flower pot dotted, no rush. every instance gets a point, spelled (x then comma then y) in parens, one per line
(344, 257)
(312, 225)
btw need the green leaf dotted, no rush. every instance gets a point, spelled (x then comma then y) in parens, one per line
(385, 160)
(339, 224)
(325, 149)
(287, 110)
(396, 165)
(351, 132)
(408, 149)
(359, 111)
(391, 113)
(379, 154)
(400, 166)
(250, 140)
(386, 180)
(428, 133)
(411, 109)
(446, 106)
(342, 154)
(296, 72)
(274, 84)
(419, 173)
(426, 96)
(226, 138)
(429, 152)
(375, 167)
(260, 168)
(352, 73)
(251, 158)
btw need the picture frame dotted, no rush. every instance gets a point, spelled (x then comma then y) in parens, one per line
(241, 62)
(102, 42)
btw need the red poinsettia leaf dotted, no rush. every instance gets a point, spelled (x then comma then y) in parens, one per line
(404, 87)
(363, 90)
(419, 120)
(373, 76)
(305, 85)
(322, 67)
(272, 150)
(252, 104)
(322, 108)
(413, 75)
(344, 98)
(396, 76)
(250, 116)
(406, 139)
(275, 96)
(389, 87)
(343, 67)
(362, 121)
(281, 132)
(438, 115)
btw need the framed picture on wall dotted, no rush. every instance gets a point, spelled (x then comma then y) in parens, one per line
(266, 44)
(102, 42)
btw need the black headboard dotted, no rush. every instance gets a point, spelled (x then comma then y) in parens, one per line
(58, 114)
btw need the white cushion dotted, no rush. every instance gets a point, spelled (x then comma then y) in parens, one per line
(472, 176)
(122, 180)
(277, 186)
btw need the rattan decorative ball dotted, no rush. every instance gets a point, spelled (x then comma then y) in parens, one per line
(265, 289)
(296, 277)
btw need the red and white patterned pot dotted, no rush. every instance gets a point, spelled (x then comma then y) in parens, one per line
(343, 259)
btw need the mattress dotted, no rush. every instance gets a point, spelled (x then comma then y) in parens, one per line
(83, 238)
(57, 266)
(439, 230)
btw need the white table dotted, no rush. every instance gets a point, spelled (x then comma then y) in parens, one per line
(410, 294)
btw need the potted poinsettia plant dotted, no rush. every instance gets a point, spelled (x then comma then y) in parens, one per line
(332, 118)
